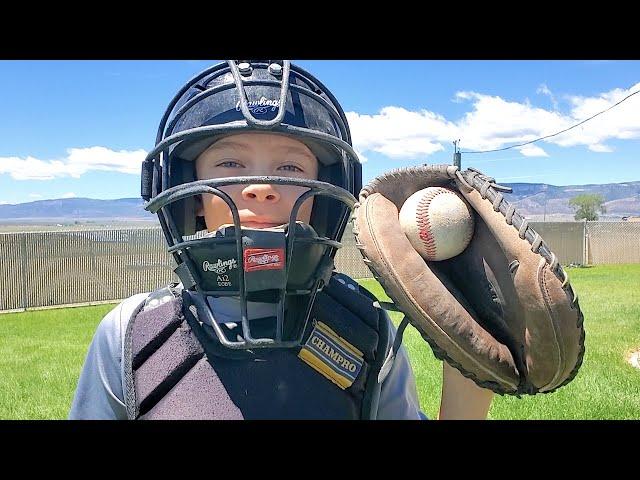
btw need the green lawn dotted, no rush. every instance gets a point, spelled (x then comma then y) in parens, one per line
(41, 354)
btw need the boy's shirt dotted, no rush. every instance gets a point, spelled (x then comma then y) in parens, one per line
(100, 390)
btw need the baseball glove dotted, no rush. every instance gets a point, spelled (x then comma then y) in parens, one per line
(502, 312)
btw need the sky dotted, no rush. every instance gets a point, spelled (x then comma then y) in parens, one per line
(81, 128)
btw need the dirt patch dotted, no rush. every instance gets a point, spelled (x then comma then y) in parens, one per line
(633, 358)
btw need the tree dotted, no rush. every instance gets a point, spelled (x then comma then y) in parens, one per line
(587, 205)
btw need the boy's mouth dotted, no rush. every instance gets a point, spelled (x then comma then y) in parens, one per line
(259, 222)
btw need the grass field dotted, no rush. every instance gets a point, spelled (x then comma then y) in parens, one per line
(41, 355)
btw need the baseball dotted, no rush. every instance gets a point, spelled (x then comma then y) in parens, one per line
(438, 222)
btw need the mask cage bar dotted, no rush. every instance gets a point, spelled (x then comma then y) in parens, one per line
(160, 150)
(244, 102)
(201, 132)
(180, 246)
(209, 130)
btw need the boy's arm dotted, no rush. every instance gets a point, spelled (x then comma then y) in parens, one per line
(99, 394)
(398, 393)
(461, 398)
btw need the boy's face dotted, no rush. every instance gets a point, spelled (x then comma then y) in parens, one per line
(259, 205)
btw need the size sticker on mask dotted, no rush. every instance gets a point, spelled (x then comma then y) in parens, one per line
(263, 259)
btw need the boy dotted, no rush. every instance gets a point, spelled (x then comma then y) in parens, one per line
(259, 155)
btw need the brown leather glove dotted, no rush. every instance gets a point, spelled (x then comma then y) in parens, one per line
(502, 312)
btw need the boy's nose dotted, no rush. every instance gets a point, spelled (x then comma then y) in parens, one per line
(261, 193)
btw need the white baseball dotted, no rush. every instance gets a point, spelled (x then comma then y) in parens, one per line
(438, 223)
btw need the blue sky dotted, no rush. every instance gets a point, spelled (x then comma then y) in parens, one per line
(81, 128)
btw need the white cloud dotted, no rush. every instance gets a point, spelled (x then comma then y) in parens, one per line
(69, 195)
(493, 122)
(621, 122)
(4, 202)
(532, 151)
(461, 96)
(400, 133)
(544, 90)
(600, 148)
(77, 162)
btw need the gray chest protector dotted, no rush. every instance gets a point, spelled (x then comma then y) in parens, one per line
(175, 367)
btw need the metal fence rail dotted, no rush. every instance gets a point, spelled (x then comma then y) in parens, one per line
(82, 266)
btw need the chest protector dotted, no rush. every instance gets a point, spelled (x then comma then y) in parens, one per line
(175, 367)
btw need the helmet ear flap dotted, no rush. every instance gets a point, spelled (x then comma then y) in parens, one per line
(328, 211)
(200, 222)
(184, 211)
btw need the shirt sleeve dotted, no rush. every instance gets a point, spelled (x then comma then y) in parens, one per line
(398, 394)
(99, 394)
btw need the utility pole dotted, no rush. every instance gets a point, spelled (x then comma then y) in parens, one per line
(544, 188)
(457, 156)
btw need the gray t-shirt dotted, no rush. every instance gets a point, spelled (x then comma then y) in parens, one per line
(101, 388)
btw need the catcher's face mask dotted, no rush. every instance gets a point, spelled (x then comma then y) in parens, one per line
(284, 264)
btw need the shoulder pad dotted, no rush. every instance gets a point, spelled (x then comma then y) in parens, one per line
(347, 292)
(347, 281)
(162, 295)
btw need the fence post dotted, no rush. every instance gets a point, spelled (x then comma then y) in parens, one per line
(23, 264)
(585, 250)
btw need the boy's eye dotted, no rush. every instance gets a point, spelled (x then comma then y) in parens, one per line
(230, 164)
(291, 168)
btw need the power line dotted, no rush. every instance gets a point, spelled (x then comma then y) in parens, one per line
(561, 131)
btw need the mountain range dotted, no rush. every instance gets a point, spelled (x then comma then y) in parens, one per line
(537, 201)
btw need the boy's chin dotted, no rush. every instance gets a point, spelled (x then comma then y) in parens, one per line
(261, 225)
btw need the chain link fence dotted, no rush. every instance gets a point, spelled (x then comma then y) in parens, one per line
(566, 239)
(86, 266)
(612, 242)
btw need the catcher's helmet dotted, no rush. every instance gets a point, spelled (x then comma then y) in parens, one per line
(285, 265)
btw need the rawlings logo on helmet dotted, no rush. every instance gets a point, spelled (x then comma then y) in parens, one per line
(261, 106)
(220, 266)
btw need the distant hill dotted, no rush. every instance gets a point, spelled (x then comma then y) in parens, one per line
(83, 209)
(537, 201)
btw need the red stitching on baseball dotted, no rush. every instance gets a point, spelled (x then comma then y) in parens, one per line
(423, 222)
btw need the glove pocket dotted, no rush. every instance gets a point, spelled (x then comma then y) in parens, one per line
(431, 300)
